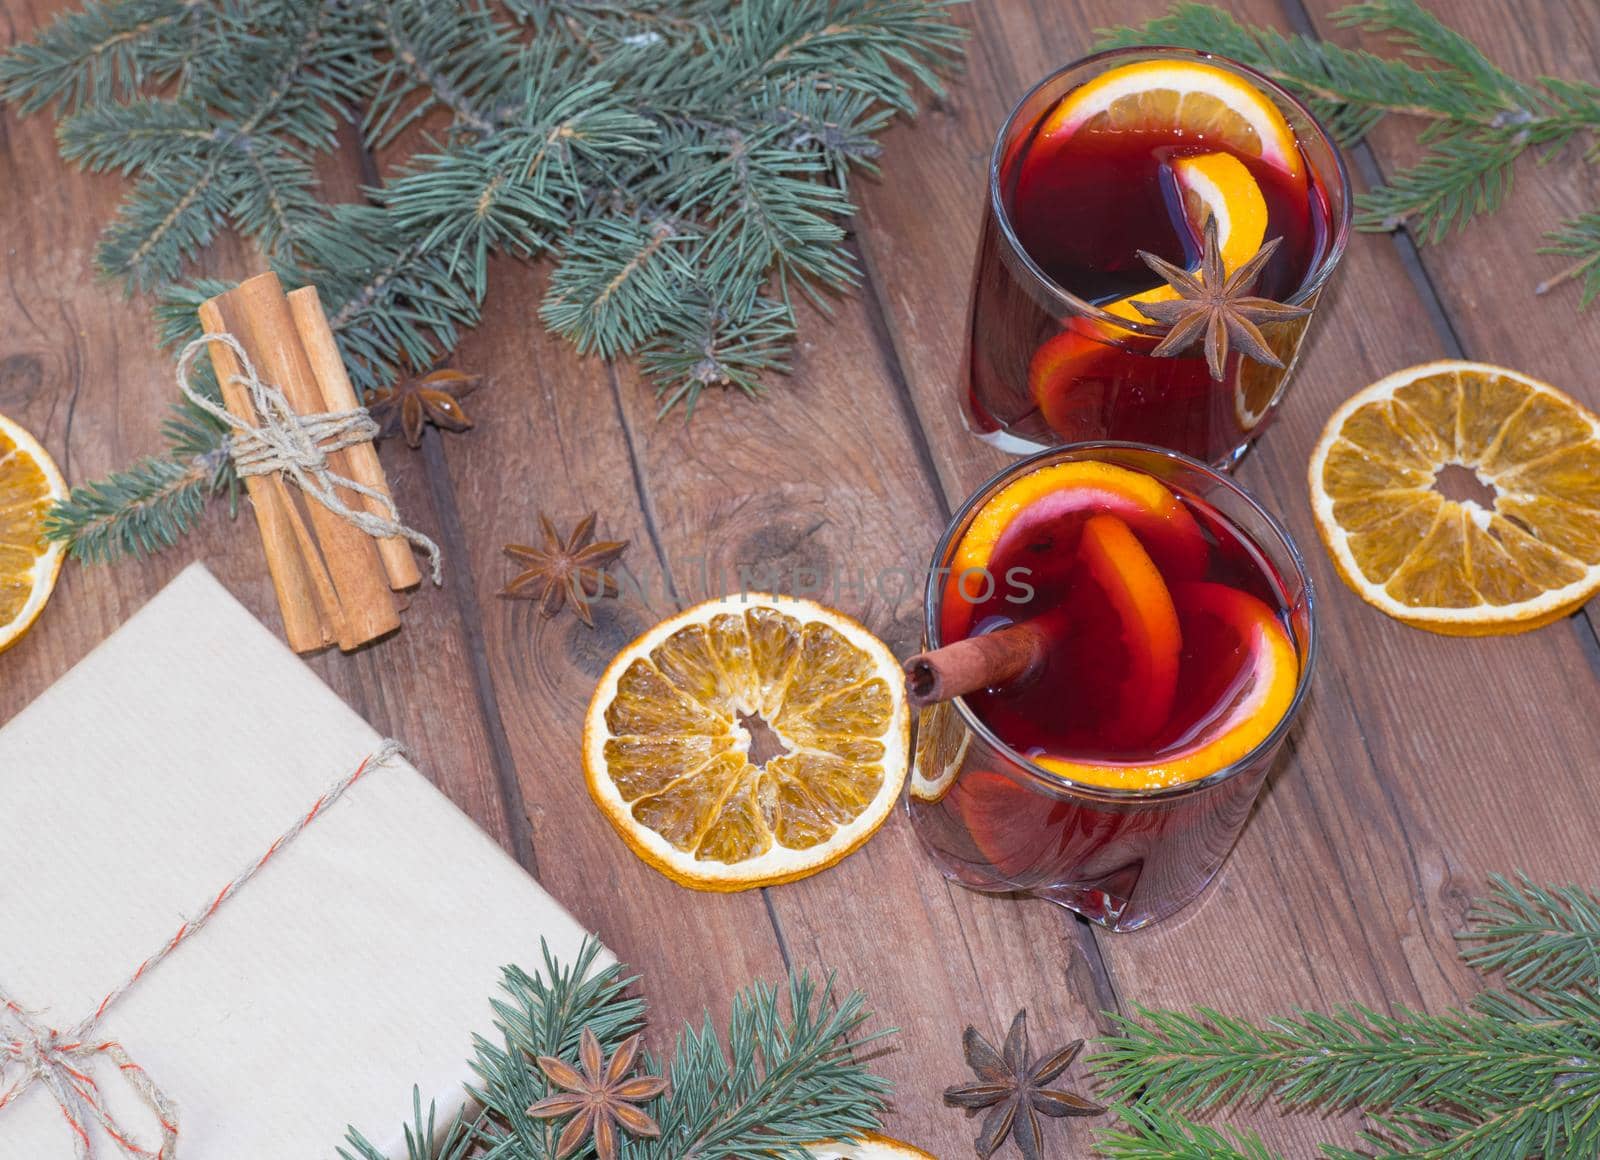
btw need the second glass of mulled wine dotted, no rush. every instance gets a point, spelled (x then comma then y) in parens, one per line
(1122, 154)
(1169, 621)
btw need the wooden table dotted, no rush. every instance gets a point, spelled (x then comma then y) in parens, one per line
(1420, 764)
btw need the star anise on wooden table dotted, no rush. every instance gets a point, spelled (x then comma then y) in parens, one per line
(1016, 1090)
(565, 569)
(1214, 305)
(600, 1098)
(431, 398)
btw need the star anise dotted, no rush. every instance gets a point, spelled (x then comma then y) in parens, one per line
(431, 398)
(599, 1098)
(1016, 1090)
(565, 569)
(1213, 304)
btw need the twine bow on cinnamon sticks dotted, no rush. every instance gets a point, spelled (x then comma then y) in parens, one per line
(336, 548)
(33, 1052)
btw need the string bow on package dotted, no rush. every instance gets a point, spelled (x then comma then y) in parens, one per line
(61, 1061)
(159, 1002)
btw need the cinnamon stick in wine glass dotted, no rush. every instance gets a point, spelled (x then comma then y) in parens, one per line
(1008, 654)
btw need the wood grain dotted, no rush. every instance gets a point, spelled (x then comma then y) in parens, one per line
(1419, 765)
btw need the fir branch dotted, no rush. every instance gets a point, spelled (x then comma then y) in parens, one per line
(1156, 1133)
(736, 121)
(106, 51)
(1579, 239)
(784, 1080)
(1514, 1074)
(710, 342)
(1538, 937)
(1478, 119)
(441, 54)
(140, 510)
(617, 283)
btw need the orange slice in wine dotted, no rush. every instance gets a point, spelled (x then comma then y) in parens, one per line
(1214, 185)
(1114, 559)
(1236, 707)
(1199, 101)
(1030, 504)
(1061, 374)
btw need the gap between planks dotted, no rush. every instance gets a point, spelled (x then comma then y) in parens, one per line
(1079, 929)
(1366, 163)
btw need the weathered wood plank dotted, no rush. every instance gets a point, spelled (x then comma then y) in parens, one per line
(548, 440)
(1391, 803)
(823, 479)
(80, 367)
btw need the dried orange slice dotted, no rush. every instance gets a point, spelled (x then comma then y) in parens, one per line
(29, 564)
(870, 1146)
(1242, 705)
(672, 743)
(1521, 552)
(1202, 101)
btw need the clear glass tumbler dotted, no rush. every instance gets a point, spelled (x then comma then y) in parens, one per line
(997, 821)
(1046, 366)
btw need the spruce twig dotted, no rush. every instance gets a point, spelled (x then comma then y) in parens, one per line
(1516, 1073)
(786, 1077)
(685, 164)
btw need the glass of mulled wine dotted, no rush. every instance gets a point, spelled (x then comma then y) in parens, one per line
(1128, 151)
(1176, 642)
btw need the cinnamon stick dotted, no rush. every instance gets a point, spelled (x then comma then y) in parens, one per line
(980, 662)
(268, 332)
(339, 395)
(305, 592)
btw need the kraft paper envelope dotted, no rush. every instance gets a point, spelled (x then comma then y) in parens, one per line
(358, 964)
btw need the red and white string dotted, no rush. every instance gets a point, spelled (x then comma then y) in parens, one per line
(32, 1051)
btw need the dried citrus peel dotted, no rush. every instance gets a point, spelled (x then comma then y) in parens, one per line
(1526, 554)
(29, 564)
(668, 742)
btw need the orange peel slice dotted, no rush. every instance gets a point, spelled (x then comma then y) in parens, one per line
(1524, 554)
(1202, 101)
(1246, 712)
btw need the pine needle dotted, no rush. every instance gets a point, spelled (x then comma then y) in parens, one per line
(785, 1077)
(1515, 1074)
(684, 164)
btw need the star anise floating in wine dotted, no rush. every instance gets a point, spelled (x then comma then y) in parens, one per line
(1214, 305)
(414, 402)
(565, 569)
(600, 1098)
(1016, 1090)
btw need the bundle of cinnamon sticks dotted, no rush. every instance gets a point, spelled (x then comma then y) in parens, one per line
(335, 584)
